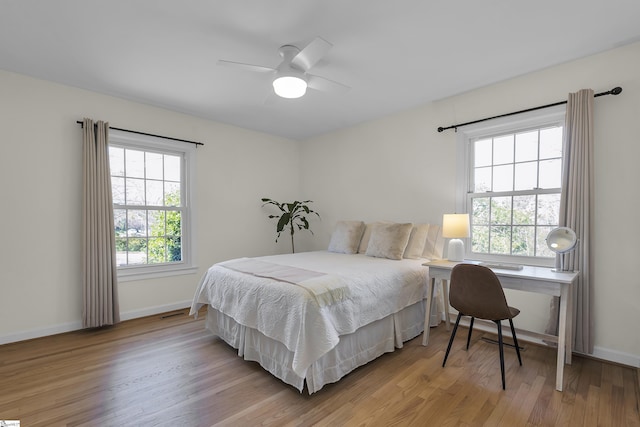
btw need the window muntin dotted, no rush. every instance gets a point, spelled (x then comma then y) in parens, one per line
(513, 192)
(151, 184)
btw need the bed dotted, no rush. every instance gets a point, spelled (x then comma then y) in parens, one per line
(310, 318)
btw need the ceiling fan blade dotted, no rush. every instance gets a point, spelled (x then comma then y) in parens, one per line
(311, 54)
(247, 67)
(326, 85)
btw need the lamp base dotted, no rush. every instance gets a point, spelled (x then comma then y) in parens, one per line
(455, 251)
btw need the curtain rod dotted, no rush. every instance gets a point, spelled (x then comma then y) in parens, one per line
(149, 134)
(615, 91)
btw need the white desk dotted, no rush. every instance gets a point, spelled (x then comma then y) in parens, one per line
(530, 279)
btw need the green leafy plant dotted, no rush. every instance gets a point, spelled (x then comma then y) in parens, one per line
(292, 216)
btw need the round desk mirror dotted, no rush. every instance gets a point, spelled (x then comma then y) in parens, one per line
(561, 240)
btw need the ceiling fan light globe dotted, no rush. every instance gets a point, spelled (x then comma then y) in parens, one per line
(289, 87)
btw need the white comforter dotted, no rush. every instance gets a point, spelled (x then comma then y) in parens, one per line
(290, 314)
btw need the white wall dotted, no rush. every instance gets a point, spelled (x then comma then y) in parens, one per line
(382, 170)
(41, 173)
(400, 168)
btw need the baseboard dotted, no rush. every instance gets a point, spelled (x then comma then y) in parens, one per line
(74, 326)
(150, 311)
(598, 352)
(601, 353)
(616, 356)
(39, 333)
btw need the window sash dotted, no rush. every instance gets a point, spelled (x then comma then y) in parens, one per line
(537, 227)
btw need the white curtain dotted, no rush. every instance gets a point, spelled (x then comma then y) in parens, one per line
(100, 293)
(576, 210)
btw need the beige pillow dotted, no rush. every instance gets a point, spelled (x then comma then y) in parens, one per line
(417, 240)
(346, 237)
(364, 242)
(434, 247)
(389, 240)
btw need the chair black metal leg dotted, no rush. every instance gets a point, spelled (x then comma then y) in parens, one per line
(515, 341)
(501, 352)
(453, 334)
(470, 330)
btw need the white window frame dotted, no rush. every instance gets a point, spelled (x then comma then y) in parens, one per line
(553, 116)
(187, 152)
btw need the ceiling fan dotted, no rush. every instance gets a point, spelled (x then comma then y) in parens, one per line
(291, 77)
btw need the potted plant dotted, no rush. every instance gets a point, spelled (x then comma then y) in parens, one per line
(292, 216)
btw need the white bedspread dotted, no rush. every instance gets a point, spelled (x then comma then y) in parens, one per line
(292, 315)
(326, 289)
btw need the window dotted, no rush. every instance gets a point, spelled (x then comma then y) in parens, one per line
(150, 182)
(512, 175)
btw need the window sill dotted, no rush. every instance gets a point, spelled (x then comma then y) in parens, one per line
(143, 273)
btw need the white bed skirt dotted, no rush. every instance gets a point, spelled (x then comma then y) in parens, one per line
(353, 350)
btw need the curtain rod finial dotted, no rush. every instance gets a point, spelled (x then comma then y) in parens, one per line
(616, 90)
(440, 129)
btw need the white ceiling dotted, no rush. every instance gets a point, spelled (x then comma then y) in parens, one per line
(395, 54)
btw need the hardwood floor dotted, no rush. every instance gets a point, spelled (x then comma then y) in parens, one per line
(171, 372)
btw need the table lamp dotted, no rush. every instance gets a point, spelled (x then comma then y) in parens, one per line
(455, 227)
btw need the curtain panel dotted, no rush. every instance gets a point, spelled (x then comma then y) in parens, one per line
(576, 212)
(100, 293)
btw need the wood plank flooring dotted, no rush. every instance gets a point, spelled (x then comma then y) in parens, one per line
(171, 372)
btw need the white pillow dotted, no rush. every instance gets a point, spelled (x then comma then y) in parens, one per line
(346, 237)
(364, 242)
(434, 247)
(389, 240)
(417, 240)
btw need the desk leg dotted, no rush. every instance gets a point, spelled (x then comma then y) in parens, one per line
(445, 293)
(562, 336)
(569, 330)
(427, 312)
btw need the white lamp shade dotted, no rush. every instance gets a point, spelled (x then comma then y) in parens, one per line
(455, 227)
(289, 86)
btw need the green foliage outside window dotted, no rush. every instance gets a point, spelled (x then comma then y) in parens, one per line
(507, 225)
(165, 245)
(156, 242)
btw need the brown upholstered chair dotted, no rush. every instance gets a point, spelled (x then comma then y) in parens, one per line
(475, 291)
